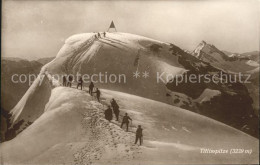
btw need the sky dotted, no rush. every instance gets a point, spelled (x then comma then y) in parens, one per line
(37, 29)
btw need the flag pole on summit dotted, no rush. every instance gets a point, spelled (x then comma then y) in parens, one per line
(112, 26)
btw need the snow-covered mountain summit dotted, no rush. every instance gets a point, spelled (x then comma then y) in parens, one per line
(54, 121)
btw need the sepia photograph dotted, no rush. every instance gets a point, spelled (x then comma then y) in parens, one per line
(121, 82)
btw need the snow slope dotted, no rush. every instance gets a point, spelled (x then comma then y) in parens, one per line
(115, 54)
(72, 130)
(66, 126)
(31, 105)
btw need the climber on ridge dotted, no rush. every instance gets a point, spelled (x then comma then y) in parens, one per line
(115, 108)
(80, 83)
(70, 80)
(108, 114)
(139, 135)
(126, 119)
(91, 87)
(64, 81)
(98, 94)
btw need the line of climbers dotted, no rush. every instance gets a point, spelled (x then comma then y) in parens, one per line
(67, 81)
(125, 121)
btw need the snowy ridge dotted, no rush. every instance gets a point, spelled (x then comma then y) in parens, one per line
(72, 130)
(31, 106)
(80, 53)
(63, 125)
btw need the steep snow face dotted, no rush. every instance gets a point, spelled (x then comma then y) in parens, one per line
(72, 130)
(228, 63)
(119, 54)
(32, 104)
(12, 92)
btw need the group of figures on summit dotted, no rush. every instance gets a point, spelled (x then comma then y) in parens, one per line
(99, 35)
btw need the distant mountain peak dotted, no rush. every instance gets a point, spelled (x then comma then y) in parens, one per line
(224, 60)
(203, 42)
(197, 51)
